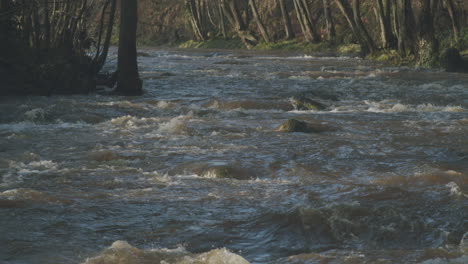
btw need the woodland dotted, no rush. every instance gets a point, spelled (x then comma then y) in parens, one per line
(60, 46)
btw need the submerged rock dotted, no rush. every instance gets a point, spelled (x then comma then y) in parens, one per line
(301, 102)
(104, 155)
(143, 54)
(293, 125)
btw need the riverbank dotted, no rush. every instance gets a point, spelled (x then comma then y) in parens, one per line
(391, 57)
(322, 48)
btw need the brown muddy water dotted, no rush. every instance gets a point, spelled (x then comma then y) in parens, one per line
(194, 171)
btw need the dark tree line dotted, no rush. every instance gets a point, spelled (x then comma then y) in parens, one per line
(60, 46)
(409, 26)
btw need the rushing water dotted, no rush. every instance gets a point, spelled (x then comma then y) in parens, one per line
(194, 171)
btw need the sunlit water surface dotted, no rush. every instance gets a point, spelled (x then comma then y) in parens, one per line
(194, 171)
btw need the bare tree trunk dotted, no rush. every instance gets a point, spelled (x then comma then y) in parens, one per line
(428, 45)
(310, 22)
(330, 25)
(286, 20)
(383, 11)
(101, 58)
(454, 17)
(227, 12)
(128, 80)
(76, 25)
(235, 18)
(222, 24)
(406, 38)
(200, 16)
(37, 26)
(46, 25)
(395, 21)
(101, 29)
(26, 22)
(351, 15)
(303, 15)
(357, 18)
(208, 11)
(301, 22)
(195, 19)
(260, 25)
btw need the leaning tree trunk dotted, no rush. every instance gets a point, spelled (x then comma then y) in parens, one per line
(452, 10)
(395, 21)
(222, 25)
(37, 26)
(286, 20)
(260, 25)
(128, 80)
(331, 33)
(232, 12)
(195, 19)
(350, 16)
(101, 57)
(46, 25)
(303, 16)
(363, 31)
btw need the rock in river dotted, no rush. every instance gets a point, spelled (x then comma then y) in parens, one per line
(301, 102)
(293, 125)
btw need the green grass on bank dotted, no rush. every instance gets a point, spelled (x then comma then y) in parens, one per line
(213, 44)
(287, 45)
(392, 57)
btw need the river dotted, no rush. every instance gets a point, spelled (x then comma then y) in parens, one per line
(194, 171)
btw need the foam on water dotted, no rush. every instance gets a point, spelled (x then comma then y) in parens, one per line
(34, 166)
(124, 104)
(131, 122)
(176, 125)
(29, 195)
(165, 104)
(459, 260)
(19, 171)
(385, 107)
(35, 114)
(123, 253)
(455, 190)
